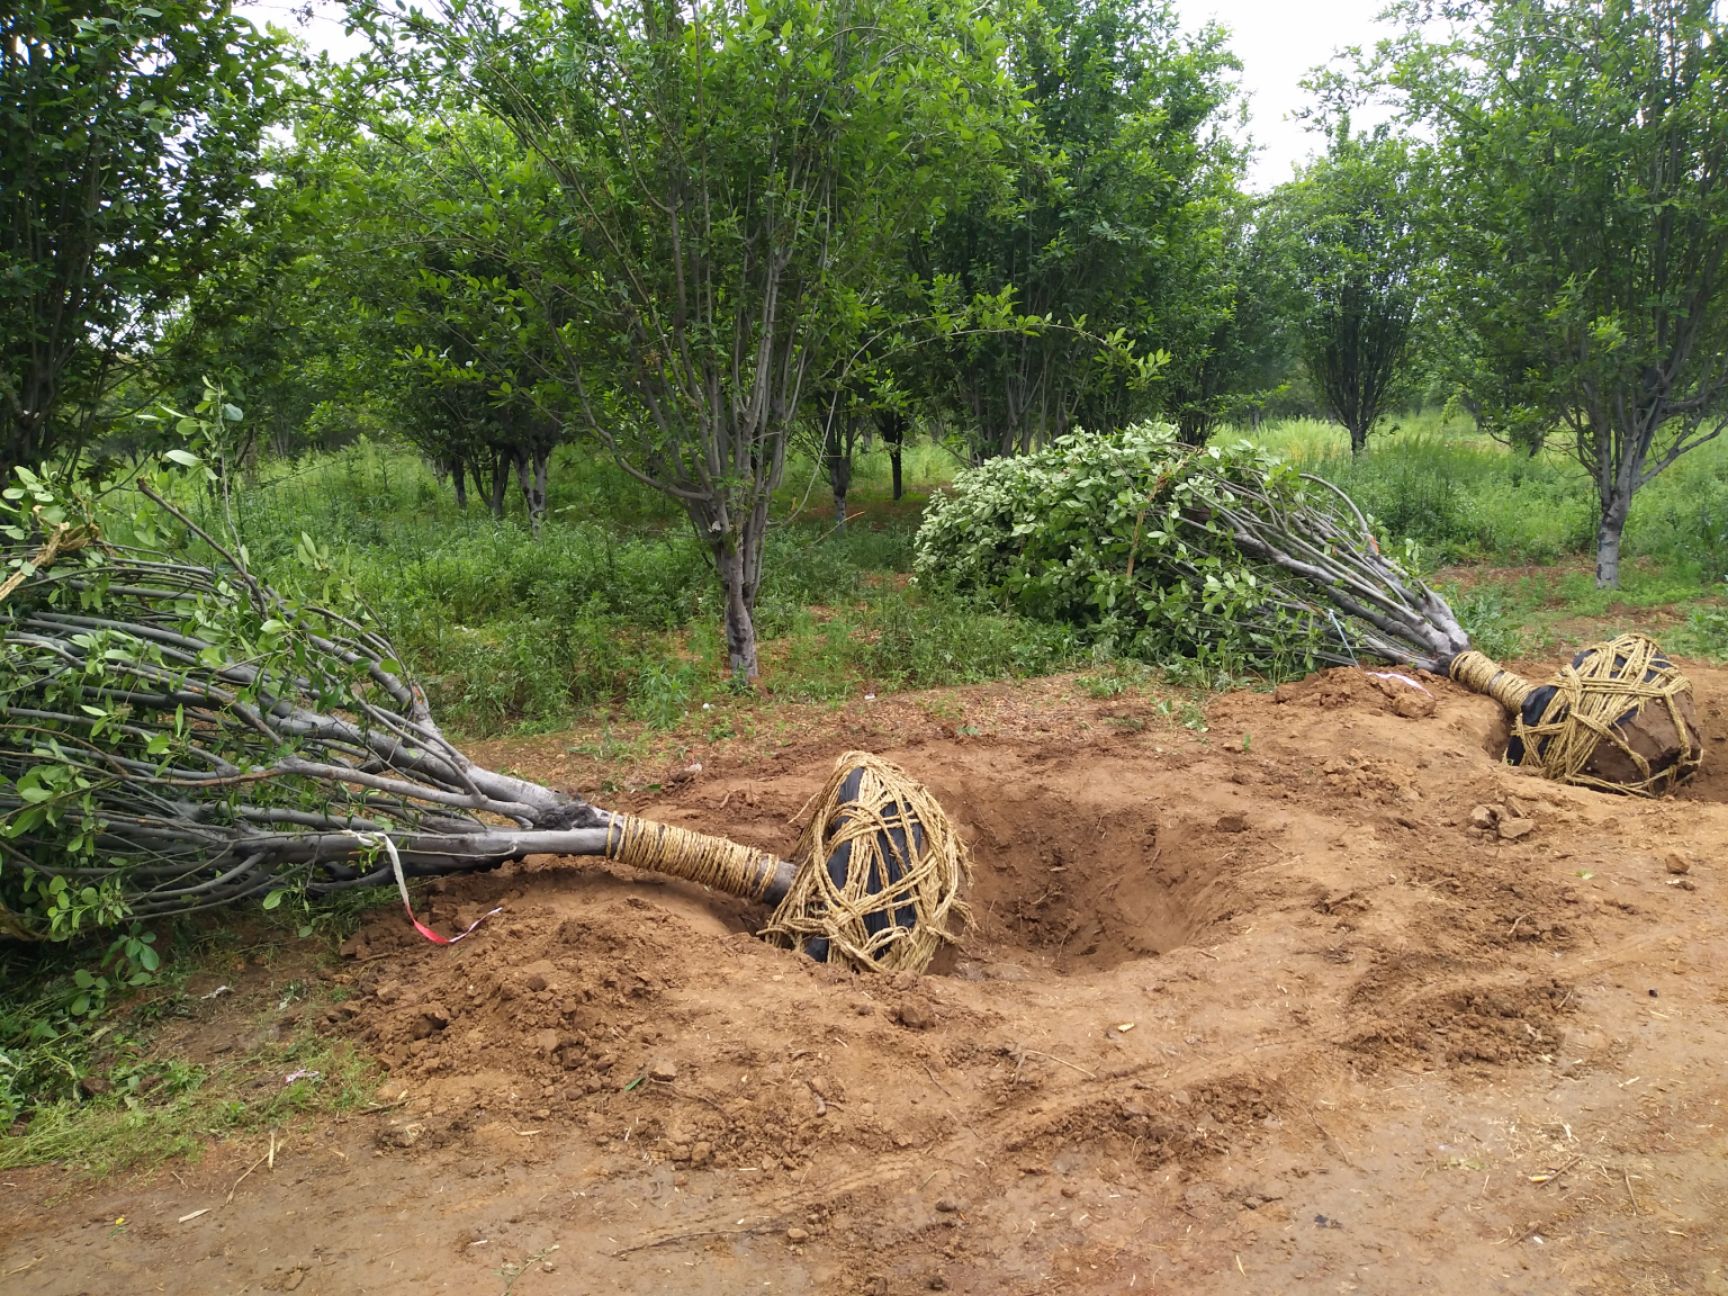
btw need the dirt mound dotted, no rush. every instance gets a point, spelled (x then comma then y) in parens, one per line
(1310, 996)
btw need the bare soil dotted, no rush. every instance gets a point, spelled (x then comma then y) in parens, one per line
(1258, 1009)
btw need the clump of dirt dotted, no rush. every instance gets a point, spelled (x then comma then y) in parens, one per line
(1310, 998)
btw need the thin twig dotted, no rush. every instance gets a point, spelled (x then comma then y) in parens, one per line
(1627, 1175)
(674, 1239)
(1090, 1075)
(928, 1070)
(1331, 1142)
(1562, 1170)
(249, 1169)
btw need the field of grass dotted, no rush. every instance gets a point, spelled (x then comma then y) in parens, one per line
(615, 612)
(1513, 537)
(616, 609)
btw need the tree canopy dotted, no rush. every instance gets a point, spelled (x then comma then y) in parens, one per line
(1118, 172)
(1350, 244)
(131, 136)
(1583, 154)
(726, 187)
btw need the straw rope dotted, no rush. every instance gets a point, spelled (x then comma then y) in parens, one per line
(1482, 674)
(1597, 701)
(884, 883)
(1589, 731)
(64, 538)
(696, 857)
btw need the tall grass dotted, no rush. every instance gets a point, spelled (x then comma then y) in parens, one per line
(616, 606)
(1471, 500)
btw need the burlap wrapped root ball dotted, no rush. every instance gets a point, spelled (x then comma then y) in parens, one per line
(1620, 717)
(881, 873)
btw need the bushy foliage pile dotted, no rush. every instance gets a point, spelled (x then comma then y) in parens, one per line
(1118, 534)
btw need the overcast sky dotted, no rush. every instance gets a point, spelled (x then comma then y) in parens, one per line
(1278, 41)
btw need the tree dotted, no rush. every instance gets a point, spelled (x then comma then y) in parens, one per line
(1227, 338)
(1584, 159)
(131, 135)
(345, 288)
(1348, 228)
(727, 181)
(1116, 171)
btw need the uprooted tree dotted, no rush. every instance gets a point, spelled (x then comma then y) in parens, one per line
(1231, 558)
(177, 734)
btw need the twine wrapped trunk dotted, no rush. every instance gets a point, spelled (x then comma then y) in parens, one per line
(1619, 717)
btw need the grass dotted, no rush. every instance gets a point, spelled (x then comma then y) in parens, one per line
(615, 611)
(85, 1082)
(1471, 500)
(614, 614)
(167, 1109)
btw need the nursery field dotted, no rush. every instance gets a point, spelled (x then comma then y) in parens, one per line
(775, 646)
(1288, 986)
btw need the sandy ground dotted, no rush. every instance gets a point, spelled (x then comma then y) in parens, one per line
(1259, 1009)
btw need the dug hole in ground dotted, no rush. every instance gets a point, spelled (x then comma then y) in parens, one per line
(1324, 999)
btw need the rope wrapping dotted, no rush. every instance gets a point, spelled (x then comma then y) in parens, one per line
(1482, 674)
(696, 857)
(1618, 718)
(880, 874)
(63, 539)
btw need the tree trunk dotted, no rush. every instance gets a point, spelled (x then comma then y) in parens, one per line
(500, 481)
(459, 480)
(531, 477)
(740, 613)
(1358, 441)
(837, 453)
(1608, 532)
(892, 425)
(1193, 427)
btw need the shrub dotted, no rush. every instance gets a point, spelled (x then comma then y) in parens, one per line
(1116, 536)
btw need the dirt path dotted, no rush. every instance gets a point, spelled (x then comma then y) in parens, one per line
(1254, 1010)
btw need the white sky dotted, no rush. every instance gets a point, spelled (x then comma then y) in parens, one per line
(1278, 42)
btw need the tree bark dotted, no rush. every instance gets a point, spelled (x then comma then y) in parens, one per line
(1608, 531)
(459, 480)
(531, 477)
(892, 424)
(837, 454)
(1358, 441)
(500, 480)
(740, 613)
